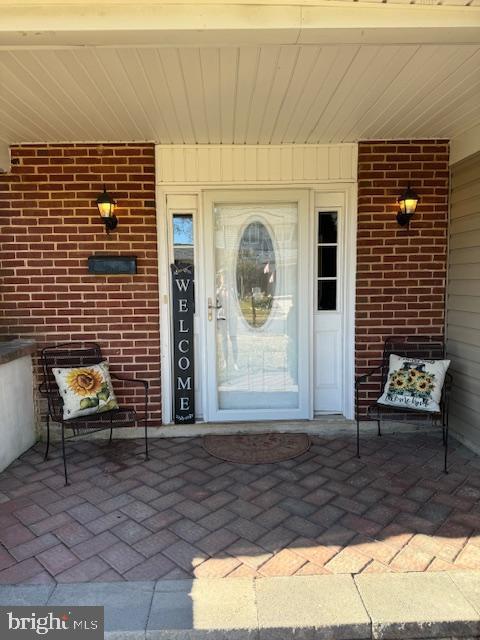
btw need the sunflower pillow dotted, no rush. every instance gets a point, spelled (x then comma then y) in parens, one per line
(85, 390)
(414, 383)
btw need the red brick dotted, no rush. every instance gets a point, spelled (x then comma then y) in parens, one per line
(57, 559)
(284, 563)
(47, 238)
(395, 261)
(21, 572)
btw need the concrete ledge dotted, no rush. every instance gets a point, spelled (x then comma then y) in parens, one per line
(127, 604)
(316, 607)
(208, 607)
(13, 349)
(420, 606)
(17, 418)
(328, 426)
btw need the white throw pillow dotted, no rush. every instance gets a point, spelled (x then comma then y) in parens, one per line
(414, 383)
(85, 390)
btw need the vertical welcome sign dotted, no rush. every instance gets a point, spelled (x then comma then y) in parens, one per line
(183, 354)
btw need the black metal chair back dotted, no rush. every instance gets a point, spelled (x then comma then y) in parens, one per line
(422, 347)
(69, 355)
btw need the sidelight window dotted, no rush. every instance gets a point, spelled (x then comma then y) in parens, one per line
(182, 238)
(327, 252)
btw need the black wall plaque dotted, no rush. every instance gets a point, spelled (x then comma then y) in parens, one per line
(114, 265)
(183, 302)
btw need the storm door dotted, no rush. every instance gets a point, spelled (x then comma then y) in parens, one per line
(257, 305)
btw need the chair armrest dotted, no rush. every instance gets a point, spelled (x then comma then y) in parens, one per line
(144, 383)
(133, 380)
(365, 376)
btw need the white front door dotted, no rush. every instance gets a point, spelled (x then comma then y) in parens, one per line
(258, 305)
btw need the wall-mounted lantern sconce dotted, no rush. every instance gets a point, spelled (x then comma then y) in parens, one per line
(407, 202)
(106, 207)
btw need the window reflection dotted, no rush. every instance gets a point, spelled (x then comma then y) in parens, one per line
(327, 262)
(256, 274)
(327, 227)
(182, 238)
(327, 295)
(182, 229)
(327, 245)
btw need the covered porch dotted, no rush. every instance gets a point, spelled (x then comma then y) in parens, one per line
(345, 107)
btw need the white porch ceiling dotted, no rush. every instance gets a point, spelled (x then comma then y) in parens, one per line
(242, 95)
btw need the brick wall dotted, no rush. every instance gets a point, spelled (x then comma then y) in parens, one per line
(400, 272)
(50, 224)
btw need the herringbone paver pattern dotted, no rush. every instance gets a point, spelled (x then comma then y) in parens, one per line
(185, 513)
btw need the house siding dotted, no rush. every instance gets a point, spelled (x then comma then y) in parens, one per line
(400, 272)
(463, 301)
(50, 225)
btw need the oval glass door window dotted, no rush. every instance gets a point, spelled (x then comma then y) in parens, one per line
(256, 274)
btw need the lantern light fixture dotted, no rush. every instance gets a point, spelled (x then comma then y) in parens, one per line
(407, 201)
(106, 208)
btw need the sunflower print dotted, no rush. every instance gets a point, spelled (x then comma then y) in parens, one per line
(411, 382)
(397, 379)
(421, 385)
(85, 381)
(399, 382)
(414, 383)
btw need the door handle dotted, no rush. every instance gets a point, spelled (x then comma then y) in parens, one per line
(211, 307)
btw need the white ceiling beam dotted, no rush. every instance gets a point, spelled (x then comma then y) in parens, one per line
(66, 23)
(5, 162)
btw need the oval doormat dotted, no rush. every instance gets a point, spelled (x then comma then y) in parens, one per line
(258, 448)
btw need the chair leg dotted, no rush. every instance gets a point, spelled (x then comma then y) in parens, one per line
(146, 424)
(111, 435)
(379, 427)
(357, 409)
(358, 437)
(445, 468)
(48, 438)
(64, 456)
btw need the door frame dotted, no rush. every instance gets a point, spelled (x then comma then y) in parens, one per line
(348, 188)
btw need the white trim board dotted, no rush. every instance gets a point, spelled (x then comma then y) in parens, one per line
(5, 159)
(467, 144)
(255, 164)
(229, 22)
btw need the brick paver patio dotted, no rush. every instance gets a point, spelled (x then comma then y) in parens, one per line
(185, 513)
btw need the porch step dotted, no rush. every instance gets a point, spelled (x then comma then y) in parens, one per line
(337, 607)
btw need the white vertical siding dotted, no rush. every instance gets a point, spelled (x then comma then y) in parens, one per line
(463, 305)
(216, 164)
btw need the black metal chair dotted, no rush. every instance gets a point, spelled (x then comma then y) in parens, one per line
(425, 347)
(80, 354)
